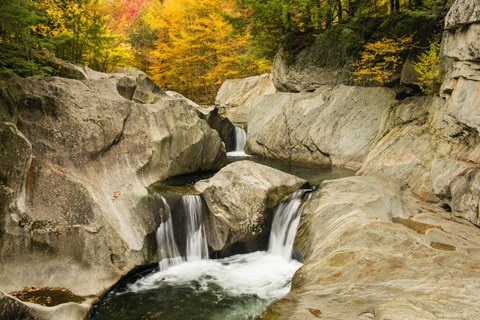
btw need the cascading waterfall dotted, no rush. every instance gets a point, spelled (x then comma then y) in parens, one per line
(167, 248)
(196, 241)
(197, 248)
(240, 139)
(285, 225)
(236, 287)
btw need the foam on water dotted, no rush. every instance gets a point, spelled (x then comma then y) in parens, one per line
(259, 273)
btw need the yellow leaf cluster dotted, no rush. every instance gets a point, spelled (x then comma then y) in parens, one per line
(380, 59)
(429, 69)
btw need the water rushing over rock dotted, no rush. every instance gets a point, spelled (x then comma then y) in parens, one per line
(240, 141)
(285, 225)
(196, 242)
(167, 247)
(197, 248)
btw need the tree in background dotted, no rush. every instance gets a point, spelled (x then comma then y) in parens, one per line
(197, 48)
(18, 40)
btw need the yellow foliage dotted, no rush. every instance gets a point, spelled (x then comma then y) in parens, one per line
(429, 69)
(197, 49)
(380, 59)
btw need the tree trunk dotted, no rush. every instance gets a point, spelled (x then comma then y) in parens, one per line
(340, 9)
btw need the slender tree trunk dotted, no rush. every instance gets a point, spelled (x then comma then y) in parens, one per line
(397, 5)
(340, 9)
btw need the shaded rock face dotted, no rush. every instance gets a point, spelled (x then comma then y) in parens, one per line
(83, 157)
(238, 197)
(337, 125)
(224, 127)
(310, 70)
(235, 96)
(372, 251)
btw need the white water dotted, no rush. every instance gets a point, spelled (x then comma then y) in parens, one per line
(266, 275)
(240, 141)
(167, 248)
(196, 241)
(258, 273)
(285, 225)
(197, 248)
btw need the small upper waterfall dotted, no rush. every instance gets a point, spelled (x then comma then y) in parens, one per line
(284, 226)
(167, 248)
(240, 139)
(196, 241)
(197, 248)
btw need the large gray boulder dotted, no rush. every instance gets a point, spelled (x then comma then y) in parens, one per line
(235, 96)
(238, 197)
(372, 251)
(74, 170)
(313, 67)
(337, 125)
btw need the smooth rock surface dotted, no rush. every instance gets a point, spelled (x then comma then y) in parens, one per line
(94, 153)
(235, 96)
(238, 197)
(337, 125)
(373, 251)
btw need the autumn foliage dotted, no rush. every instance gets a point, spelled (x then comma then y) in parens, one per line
(197, 49)
(380, 60)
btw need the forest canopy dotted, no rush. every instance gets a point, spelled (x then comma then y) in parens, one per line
(192, 46)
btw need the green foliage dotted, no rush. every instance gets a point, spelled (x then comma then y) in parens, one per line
(18, 43)
(429, 69)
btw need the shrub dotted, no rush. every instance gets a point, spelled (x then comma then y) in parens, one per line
(429, 69)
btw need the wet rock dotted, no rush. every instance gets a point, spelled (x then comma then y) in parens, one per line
(238, 197)
(12, 308)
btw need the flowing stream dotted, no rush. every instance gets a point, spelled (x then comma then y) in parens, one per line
(188, 285)
(194, 287)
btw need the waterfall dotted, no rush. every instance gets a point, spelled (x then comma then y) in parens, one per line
(197, 248)
(167, 248)
(240, 139)
(196, 241)
(284, 226)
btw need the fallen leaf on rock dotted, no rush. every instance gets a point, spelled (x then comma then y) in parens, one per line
(115, 195)
(316, 312)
